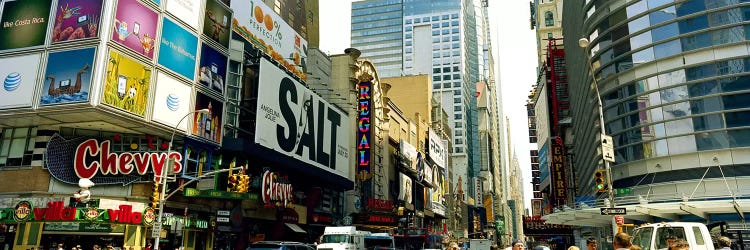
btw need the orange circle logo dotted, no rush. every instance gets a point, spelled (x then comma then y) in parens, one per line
(258, 14)
(269, 22)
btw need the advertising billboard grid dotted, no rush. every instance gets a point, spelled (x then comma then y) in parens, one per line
(178, 49)
(76, 20)
(68, 76)
(24, 24)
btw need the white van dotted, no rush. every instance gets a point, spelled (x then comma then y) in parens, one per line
(342, 238)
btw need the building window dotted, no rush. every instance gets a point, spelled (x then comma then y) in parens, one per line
(457, 116)
(549, 35)
(17, 146)
(549, 20)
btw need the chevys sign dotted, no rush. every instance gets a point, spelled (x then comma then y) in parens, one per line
(296, 122)
(275, 190)
(109, 163)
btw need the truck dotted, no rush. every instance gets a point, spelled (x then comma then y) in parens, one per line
(479, 244)
(658, 236)
(379, 241)
(342, 238)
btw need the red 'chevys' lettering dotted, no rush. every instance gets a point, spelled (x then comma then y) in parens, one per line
(110, 163)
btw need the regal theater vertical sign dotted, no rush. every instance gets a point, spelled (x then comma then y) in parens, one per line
(364, 104)
(558, 174)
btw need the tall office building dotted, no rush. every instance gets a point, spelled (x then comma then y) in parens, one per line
(673, 81)
(432, 37)
(377, 31)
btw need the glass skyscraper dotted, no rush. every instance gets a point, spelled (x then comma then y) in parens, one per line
(675, 87)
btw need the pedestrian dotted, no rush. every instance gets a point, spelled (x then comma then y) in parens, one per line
(635, 247)
(60, 246)
(148, 246)
(725, 243)
(518, 245)
(573, 248)
(452, 246)
(680, 245)
(541, 247)
(591, 244)
(621, 241)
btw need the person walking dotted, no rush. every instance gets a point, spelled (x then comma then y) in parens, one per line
(621, 241)
(591, 244)
(725, 243)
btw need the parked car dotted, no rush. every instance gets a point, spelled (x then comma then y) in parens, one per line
(279, 245)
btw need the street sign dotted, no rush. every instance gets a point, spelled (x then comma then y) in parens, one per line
(613, 211)
(222, 219)
(222, 213)
(156, 231)
(608, 148)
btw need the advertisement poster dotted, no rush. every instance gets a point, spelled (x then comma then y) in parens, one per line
(213, 69)
(135, 27)
(178, 49)
(294, 121)
(185, 10)
(171, 101)
(76, 19)
(68, 76)
(260, 25)
(406, 188)
(126, 84)
(19, 75)
(208, 126)
(216, 23)
(24, 23)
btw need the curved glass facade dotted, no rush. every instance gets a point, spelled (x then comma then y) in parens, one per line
(703, 105)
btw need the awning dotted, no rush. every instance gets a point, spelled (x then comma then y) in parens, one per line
(295, 228)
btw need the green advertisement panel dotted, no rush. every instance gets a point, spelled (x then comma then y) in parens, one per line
(24, 23)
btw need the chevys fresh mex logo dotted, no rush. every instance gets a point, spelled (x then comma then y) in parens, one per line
(149, 216)
(109, 163)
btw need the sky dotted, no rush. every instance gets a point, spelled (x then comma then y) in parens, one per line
(514, 46)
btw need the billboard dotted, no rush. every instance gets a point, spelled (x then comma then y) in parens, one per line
(216, 22)
(76, 19)
(24, 23)
(406, 188)
(178, 49)
(68, 76)
(135, 27)
(295, 121)
(126, 84)
(436, 150)
(261, 26)
(19, 76)
(213, 69)
(171, 101)
(185, 10)
(208, 126)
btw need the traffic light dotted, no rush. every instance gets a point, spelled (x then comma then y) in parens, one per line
(155, 196)
(242, 183)
(599, 179)
(233, 183)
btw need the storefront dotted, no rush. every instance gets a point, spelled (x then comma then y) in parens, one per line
(116, 223)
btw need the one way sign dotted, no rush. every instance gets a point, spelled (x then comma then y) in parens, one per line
(613, 211)
(608, 148)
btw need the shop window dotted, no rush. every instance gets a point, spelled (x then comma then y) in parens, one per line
(17, 146)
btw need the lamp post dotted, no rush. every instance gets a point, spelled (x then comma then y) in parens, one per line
(163, 180)
(584, 43)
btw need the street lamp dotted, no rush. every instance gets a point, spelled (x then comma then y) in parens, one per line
(164, 170)
(584, 43)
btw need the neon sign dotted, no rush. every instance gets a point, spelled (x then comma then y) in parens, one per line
(110, 163)
(363, 128)
(274, 190)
